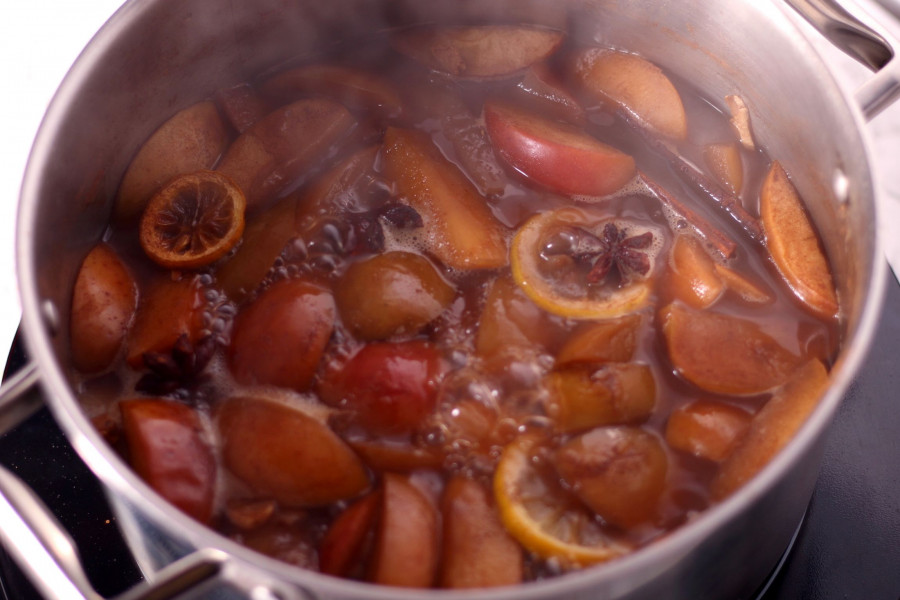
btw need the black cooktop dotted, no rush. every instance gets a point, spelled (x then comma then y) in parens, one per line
(848, 546)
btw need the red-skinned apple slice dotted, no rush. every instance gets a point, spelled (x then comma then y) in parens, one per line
(556, 155)
(635, 84)
(487, 51)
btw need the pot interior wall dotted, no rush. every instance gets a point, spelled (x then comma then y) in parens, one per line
(154, 58)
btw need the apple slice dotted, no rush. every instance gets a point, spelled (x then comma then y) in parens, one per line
(619, 472)
(587, 396)
(284, 452)
(264, 238)
(555, 155)
(510, 318)
(406, 542)
(167, 310)
(724, 354)
(191, 140)
(395, 293)
(281, 147)
(633, 84)
(546, 92)
(772, 427)
(693, 278)
(103, 305)
(724, 161)
(706, 428)
(477, 550)
(358, 90)
(166, 448)
(486, 51)
(460, 229)
(606, 340)
(280, 337)
(242, 106)
(344, 545)
(794, 246)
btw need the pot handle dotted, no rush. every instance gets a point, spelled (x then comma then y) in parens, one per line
(862, 43)
(45, 551)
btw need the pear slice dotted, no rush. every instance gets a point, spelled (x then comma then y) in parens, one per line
(634, 84)
(477, 52)
(724, 354)
(772, 427)
(794, 245)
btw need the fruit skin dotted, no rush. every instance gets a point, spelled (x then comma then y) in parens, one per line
(619, 472)
(693, 278)
(284, 452)
(460, 229)
(745, 360)
(406, 543)
(607, 340)
(391, 387)
(396, 293)
(586, 396)
(511, 319)
(794, 245)
(487, 51)
(477, 550)
(167, 448)
(344, 544)
(284, 145)
(192, 139)
(103, 306)
(279, 338)
(556, 155)
(634, 84)
(706, 428)
(167, 310)
(772, 428)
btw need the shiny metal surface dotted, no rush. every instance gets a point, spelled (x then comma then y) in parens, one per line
(154, 57)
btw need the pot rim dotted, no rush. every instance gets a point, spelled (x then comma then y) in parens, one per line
(122, 483)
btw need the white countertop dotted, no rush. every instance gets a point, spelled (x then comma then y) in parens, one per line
(40, 39)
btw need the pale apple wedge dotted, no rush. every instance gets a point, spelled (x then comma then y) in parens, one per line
(693, 278)
(556, 155)
(287, 453)
(283, 146)
(724, 354)
(633, 84)
(192, 139)
(460, 229)
(356, 89)
(794, 246)
(487, 51)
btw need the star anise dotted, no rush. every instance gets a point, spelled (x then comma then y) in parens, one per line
(613, 248)
(177, 369)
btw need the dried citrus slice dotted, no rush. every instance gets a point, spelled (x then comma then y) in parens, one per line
(192, 221)
(543, 517)
(585, 265)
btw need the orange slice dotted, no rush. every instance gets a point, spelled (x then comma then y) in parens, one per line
(543, 517)
(556, 284)
(193, 221)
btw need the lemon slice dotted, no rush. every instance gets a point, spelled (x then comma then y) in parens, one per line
(193, 221)
(558, 287)
(543, 517)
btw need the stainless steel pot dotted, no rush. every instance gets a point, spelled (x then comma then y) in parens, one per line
(154, 56)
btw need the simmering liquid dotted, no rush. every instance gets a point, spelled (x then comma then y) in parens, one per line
(428, 313)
